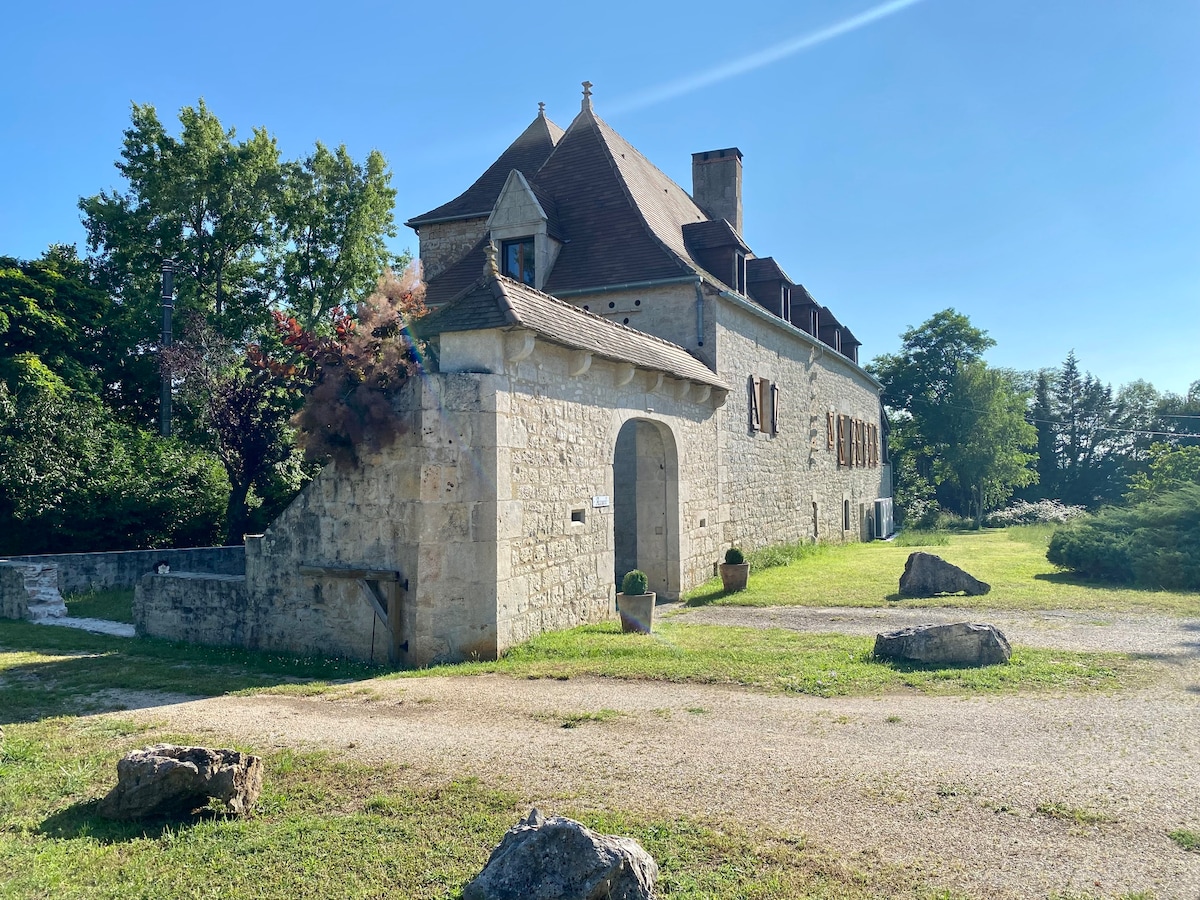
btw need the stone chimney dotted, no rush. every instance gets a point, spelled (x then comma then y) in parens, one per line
(717, 184)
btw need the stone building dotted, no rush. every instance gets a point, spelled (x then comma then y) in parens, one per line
(615, 381)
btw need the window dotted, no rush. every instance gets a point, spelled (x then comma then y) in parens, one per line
(518, 260)
(785, 303)
(845, 515)
(739, 272)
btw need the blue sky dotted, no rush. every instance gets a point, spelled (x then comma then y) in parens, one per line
(1033, 163)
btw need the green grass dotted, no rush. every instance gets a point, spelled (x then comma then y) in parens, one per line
(1013, 561)
(1077, 814)
(1188, 840)
(326, 827)
(115, 605)
(62, 671)
(820, 664)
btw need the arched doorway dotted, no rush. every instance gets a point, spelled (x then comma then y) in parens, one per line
(646, 506)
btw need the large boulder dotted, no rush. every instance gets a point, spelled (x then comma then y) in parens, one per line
(166, 780)
(960, 644)
(926, 575)
(560, 859)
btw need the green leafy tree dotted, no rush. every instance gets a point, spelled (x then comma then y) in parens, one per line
(52, 324)
(958, 426)
(333, 216)
(983, 451)
(74, 479)
(1170, 468)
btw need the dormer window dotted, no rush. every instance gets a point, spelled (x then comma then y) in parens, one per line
(518, 260)
(739, 274)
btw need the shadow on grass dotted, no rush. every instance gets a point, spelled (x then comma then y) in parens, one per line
(1095, 584)
(80, 673)
(709, 596)
(83, 820)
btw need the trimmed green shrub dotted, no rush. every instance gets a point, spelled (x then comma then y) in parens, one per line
(1153, 544)
(734, 557)
(634, 582)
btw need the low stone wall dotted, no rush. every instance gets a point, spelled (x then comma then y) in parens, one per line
(30, 591)
(199, 609)
(79, 572)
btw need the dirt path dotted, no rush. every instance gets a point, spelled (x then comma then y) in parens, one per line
(1001, 797)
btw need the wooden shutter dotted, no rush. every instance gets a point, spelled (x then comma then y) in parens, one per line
(755, 413)
(841, 440)
(829, 441)
(774, 408)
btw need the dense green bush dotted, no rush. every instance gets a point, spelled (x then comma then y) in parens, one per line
(1155, 543)
(734, 557)
(73, 479)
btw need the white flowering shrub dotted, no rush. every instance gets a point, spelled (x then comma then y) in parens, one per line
(1043, 512)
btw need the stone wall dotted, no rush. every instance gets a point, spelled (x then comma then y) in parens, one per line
(78, 572)
(770, 482)
(444, 243)
(200, 609)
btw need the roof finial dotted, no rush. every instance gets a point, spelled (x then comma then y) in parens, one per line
(541, 108)
(490, 266)
(587, 95)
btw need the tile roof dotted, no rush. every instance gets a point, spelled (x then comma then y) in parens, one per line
(766, 269)
(526, 154)
(495, 301)
(712, 234)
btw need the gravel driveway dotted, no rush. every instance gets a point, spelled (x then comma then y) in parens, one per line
(1014, 796)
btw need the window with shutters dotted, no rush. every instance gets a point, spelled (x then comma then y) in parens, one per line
(857, 441)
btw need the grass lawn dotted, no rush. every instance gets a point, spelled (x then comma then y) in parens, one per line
(1013, 561)
(326, 826)
(116, 605)
(824, 665)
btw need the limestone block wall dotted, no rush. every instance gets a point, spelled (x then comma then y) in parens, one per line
(78, 572)
(670, 311)
(14, 599)
(557, 431)
(200, 609)
(770, 482)
(443, 243)
(424, 508)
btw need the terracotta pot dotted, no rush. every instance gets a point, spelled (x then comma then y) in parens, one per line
(734, 576)
(637, 612)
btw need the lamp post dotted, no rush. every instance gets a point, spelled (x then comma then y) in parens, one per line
(168, 306)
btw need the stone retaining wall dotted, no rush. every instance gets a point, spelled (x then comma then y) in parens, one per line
(200, 609)
(78, 572)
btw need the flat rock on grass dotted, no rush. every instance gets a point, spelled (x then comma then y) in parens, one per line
(958, 644)
(167, 780)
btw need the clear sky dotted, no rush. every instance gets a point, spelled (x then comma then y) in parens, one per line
(1033, 163)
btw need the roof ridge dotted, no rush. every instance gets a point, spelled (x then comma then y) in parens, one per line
(600, 127)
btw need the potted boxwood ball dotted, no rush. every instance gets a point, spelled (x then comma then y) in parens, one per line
(735, 570)
(635, 603)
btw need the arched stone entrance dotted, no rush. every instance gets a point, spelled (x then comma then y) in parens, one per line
(646, 506)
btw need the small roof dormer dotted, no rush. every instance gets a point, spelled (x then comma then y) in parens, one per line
(524, 226)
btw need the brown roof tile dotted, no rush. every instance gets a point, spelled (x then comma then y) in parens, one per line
(526, 154)
(496, 301)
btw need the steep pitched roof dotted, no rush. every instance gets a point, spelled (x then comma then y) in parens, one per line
(495, 301)
(526, 154)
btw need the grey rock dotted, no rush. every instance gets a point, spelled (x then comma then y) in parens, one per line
(560, 859)
(166, 780)
(926, 575)
(960, 644)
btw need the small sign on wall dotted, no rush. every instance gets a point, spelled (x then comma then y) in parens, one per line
(600, 500)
